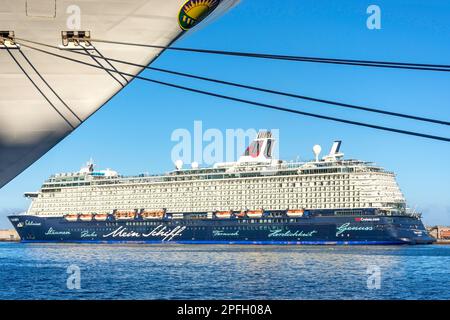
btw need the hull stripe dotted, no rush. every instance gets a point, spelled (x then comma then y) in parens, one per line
(223, 242)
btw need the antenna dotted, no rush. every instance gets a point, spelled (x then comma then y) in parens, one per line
(317, 149)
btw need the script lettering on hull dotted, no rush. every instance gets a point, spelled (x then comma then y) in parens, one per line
(289, 233)
(347, 227)
(88, 234)
(30, 223)
(161, 231)
(220, 233)
(53, 232)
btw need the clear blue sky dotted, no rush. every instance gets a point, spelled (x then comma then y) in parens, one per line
(132, 132)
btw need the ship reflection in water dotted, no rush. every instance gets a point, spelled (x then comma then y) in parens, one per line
(39, 271)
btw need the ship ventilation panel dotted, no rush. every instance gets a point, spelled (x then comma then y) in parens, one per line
(41, 8)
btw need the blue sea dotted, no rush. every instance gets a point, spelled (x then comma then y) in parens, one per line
(47, 271)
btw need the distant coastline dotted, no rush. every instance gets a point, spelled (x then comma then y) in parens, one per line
(9, 235)
(447, 242)
(440, 233)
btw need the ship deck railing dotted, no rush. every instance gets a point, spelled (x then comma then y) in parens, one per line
(284, 168)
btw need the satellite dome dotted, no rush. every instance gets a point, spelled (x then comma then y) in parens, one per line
(179, 164)
(317, 149)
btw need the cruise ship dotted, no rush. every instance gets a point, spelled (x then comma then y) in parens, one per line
(256, 200)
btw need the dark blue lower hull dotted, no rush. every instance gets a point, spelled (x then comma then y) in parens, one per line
(317, 243)
(312, 230)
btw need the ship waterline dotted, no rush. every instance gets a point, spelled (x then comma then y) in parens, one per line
(256, 199)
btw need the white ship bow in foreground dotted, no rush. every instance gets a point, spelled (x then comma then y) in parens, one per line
(29, 125)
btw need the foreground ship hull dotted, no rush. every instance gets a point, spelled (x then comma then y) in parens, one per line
(313, 230)
(29, 125)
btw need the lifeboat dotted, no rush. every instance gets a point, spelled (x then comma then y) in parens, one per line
(223, 214)
(125, 215)
(101, 216)
(86, 217)
(71, 217)
(152, 214)
(255, 213)
(295, 213)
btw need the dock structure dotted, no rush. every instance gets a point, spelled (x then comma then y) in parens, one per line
(440, 233)
(9, 235)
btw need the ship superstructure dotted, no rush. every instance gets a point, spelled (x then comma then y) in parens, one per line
(320, 196)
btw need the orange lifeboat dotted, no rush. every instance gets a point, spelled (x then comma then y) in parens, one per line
(223, 214)
(86, 217)
(125, 215)
(255, 213)
(295, 213)
(101, 216)
(152, 214)
(71, 217)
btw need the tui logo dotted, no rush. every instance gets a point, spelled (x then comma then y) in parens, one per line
(194, 11)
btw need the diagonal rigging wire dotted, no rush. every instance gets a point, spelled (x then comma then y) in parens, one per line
(37, 87)
(259, 104)
(107, 61)
(49, 86)
(98, 63)
(367, 63)
(282, 93)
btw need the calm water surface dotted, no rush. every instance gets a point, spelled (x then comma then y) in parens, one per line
(39, 271)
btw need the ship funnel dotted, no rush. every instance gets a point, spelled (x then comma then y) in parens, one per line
(335, 147)
(260, 150)
(88, 168)
(334, 152)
